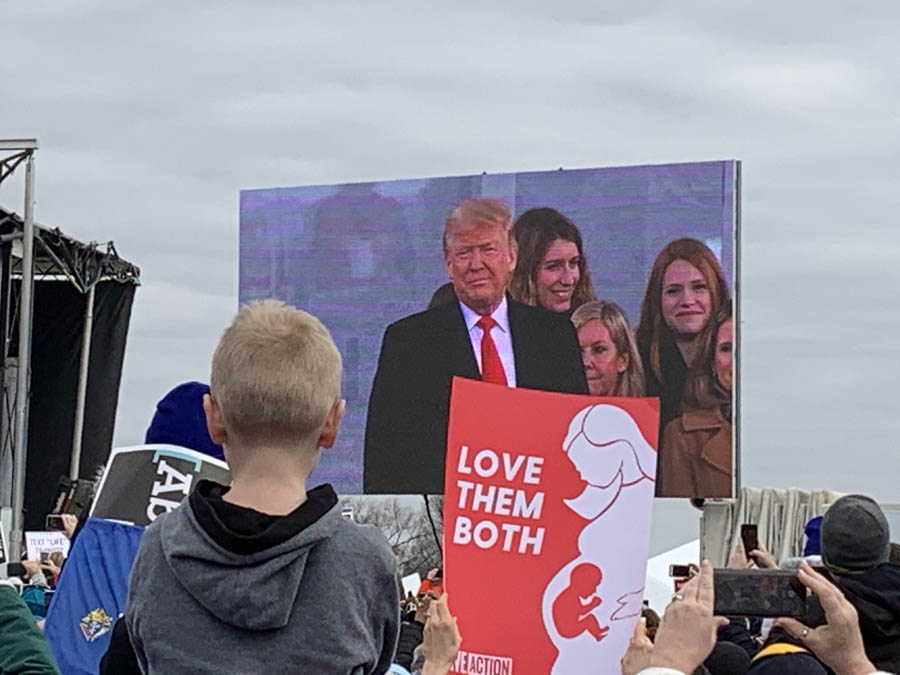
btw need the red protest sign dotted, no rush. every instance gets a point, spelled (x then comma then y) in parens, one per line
(546, 526)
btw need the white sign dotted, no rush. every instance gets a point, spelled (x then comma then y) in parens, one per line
(37, 543)
(141, 483)
(411, 583)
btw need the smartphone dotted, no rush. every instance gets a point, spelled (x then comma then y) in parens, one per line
(45, 556)
(767, 593)
(679, 571)
(750, 538)
(54, 522)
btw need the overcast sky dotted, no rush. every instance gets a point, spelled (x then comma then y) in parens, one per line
(153, 115)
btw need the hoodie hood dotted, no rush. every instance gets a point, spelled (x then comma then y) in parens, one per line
(255, 591)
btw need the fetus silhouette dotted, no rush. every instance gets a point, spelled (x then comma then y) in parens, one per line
(617, 467)
(572, 608)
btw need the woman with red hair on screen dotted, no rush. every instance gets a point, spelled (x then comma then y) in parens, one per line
(686, 288)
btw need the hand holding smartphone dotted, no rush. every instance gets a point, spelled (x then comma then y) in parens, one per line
(749, 538)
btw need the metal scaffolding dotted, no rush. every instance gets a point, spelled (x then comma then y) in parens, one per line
(28, 250)
(19, 151)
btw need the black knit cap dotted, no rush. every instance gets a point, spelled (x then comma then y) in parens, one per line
(855, 534)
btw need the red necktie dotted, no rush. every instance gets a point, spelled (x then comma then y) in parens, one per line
(491, 365)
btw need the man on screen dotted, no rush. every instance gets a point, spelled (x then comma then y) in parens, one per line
(484, 335)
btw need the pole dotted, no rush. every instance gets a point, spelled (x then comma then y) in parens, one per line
(24, 369)
(75, 462)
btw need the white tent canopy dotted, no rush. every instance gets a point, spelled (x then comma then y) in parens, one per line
(659, 588)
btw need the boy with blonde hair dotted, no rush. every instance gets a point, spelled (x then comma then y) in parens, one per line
(263, 575)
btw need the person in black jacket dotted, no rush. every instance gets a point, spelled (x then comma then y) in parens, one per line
(856, 550)
(485, 335)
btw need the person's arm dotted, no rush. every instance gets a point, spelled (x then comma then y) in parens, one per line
(69, 523)
(411, 633)
(763, 559)
(119, 656)
(23, 650)
(442, 639)
(838, 644)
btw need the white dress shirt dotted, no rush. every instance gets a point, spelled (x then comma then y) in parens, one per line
(500, 334)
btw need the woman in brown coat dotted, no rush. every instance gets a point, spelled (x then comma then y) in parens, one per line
(696, 458)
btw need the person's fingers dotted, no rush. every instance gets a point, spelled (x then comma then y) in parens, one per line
(829, 597)
(640, 629)
(689, 589)
(792, 626)
(706, 586)
(644, 641)
(722, 621)
(441, 611)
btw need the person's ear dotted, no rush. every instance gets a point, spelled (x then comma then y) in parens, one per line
(215, 420)
(622, 363)
(332, 423)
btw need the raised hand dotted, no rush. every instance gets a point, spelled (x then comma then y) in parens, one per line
(838, 644)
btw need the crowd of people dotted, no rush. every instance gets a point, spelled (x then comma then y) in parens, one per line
(681, 350)
(265, 574)
(852, 622)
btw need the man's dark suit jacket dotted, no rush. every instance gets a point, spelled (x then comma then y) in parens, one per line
(406, 430)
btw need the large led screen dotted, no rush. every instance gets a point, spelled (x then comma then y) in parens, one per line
(643, 303)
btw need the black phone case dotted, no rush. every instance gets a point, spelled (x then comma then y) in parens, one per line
(764, 593)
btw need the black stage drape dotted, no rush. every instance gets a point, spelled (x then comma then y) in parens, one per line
(55, 360)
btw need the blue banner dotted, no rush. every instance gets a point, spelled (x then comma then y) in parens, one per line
(91, 594)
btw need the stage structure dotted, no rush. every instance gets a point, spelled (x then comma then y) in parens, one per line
(65, 307)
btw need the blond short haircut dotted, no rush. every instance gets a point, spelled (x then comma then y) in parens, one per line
(276, 373)
(481, 211)
(631, 382)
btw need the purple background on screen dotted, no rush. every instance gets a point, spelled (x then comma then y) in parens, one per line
(360, 256)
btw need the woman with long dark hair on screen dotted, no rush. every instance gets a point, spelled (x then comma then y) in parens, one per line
(686, 287)
(609, 353)
(551, 271)
(695, 459)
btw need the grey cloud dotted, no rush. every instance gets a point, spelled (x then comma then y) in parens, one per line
(153, 116)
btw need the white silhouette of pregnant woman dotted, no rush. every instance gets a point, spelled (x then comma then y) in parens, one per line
(619, 466)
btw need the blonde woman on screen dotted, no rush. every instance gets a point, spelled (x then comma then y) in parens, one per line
(609, 353)
(696, 457)
(551, 271)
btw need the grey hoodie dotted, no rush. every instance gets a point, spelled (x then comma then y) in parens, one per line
(324, 601)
